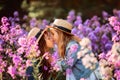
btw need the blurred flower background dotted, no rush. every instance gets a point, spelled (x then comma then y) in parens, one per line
(50, 9)
(99, 20)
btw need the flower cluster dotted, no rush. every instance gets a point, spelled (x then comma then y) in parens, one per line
(110, 63)
(15, 49)
(99, 33)
(104, 33)
(88, 58)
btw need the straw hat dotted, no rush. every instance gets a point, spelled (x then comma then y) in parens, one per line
(62, 25)
(37, 33)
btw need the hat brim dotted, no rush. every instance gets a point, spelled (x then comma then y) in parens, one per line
(38, 39)
(34, 32)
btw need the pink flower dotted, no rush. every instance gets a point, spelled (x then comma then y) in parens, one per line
(117, 64)
(117, 74)
(116, 27)
(56, 67)
(28, 63)
(73, 48)
(31, 40)
(4, 29)
(22, 41)
(82, 79)
(20, 50)
(113, 20)
(4, 20)
(1, 49)
(102, 56)
(22, 70)
(17, 60)
(46, 55)
(70, 61)
(12, 71)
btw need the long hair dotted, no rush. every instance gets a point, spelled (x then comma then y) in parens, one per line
(43, 48)
(64, 38)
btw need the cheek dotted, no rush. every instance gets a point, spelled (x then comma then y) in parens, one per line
(49, 43)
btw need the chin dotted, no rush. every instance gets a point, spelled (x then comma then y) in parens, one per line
(50, 46)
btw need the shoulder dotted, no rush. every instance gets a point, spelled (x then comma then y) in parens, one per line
(73, 45)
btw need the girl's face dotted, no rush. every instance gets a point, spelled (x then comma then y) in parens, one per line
(49, 40)
(54, 35)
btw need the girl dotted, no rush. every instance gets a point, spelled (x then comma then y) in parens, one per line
(68, 48)
(45, 44)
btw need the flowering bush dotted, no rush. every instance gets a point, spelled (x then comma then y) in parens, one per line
(110, 62)
(104, 34)
(16, 49)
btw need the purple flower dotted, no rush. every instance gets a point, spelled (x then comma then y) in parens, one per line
(92, 37)
(80, 27)
(97, 30)
(16, 14)
(87, 30)
(95, 47)
(33, 22)
(68, 71)
(105, 15)
(25, 17)
(71, 16)
(108, 29)
(95, 24)
(104, 39)
(108, 46)
(45, 68)
(87, 22)
(74, 31)
(17, 60)
(44, 24)
(78, 21)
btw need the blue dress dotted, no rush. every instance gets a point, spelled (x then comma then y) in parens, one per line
(71, 62)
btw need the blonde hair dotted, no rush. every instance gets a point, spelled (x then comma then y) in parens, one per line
(64, 38)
